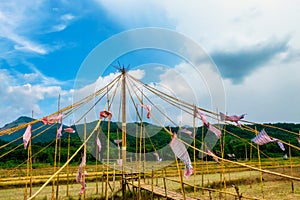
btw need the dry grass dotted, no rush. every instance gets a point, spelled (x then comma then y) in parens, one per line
(274, 187)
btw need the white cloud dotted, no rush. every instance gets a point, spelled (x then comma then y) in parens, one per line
(19, 97)
(268, 95)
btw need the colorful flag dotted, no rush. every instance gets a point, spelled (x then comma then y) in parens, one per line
(81, 174)
(281, 145)
(216, 131)
(98, 144)
(69, 130)
(27, 136)
(105, 113)
(202, 116)
(185, 131)
(53, 119)
(233, 118)
(148, 109)
(298, 139)
(59, 134)
(181, 152)
(263, 138)
(213, 155)
(117, 141)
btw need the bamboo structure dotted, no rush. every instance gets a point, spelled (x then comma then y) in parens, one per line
(143, 179)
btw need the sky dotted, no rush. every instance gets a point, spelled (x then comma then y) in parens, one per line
(254, 45)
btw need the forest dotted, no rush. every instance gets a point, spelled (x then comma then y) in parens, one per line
(236, 141)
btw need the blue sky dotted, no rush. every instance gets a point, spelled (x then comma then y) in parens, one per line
(255, 46)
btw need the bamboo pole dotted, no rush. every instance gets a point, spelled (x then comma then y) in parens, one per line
(102, 180)
(27, 174)
(107, 157)
(68, 156)
(30, 162)
(223, 166)
(202, 159)
(97, 157)
(123, 130)
(195, 171)
(259, 166)
(59, 148)
(164, 180)
(55, 155)
(114, 184)
(180, 179)
(152, 190)
(291, 168)
(60, 169)
(84, 151)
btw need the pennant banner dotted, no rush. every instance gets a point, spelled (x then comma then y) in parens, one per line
(233, 118)
(27, 136)
(263, 138)
(81, 174)
(181, 152)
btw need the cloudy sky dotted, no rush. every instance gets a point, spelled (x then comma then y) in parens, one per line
(253, 44)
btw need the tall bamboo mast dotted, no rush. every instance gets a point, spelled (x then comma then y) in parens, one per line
(123, 131)
(123, 117)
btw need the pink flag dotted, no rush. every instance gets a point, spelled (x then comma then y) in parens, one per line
(105, 113)
(117, 141)
(98, 144)
(26, 136)
(148, 109)
(281, 145)
(263, 138)
(69, 130)
(53, 119)
(298, 139)
(202, 116)
(216, 131)
(185, 131)
(181, 152)
(59, 134)
(233, 118)
(213, 155)
(81, 174)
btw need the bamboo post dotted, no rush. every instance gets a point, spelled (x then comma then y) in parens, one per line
(30, 162)
(250, 161)
(97, 157)
(114, 184)
(152, 174)
(68, 157)
(84, 151)
(223, 166)
(102, 180)
(194, 129)
(58, 165)
(132, 177)
(59, 147)
(164, 180)
(55, 156)
(144, 153)
(291, 168)
(259, 166)
(123, 129)
(202, 160)
(181, 180)
(107, 157)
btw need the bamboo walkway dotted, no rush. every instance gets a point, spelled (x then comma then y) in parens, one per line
(169, 194)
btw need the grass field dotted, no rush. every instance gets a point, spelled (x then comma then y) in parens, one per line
(248, 182)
